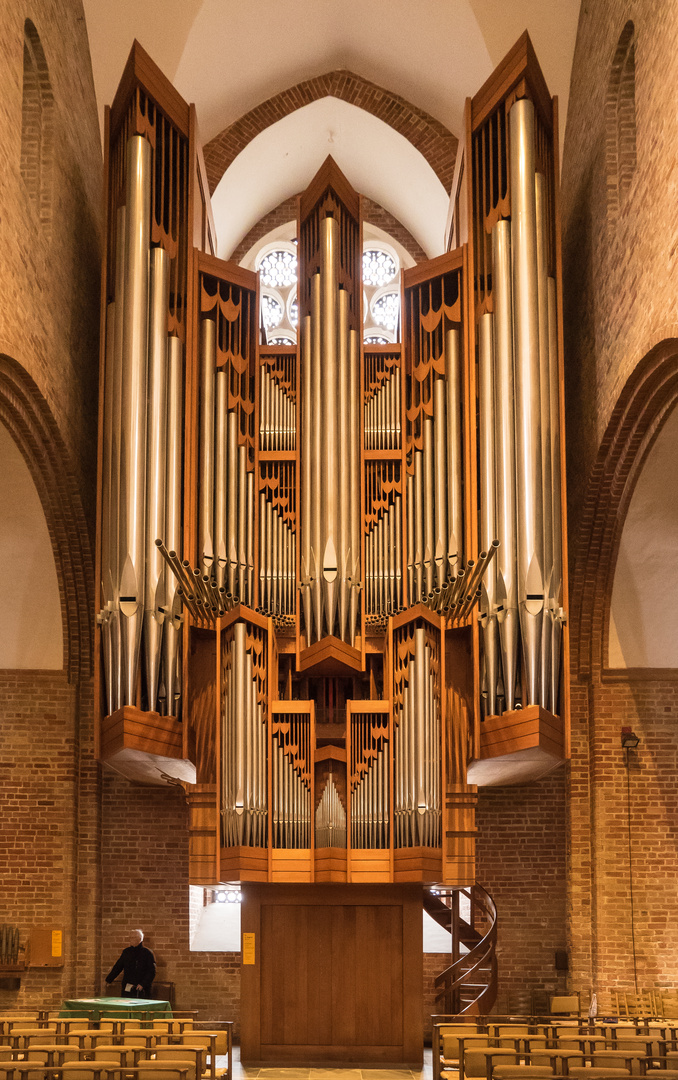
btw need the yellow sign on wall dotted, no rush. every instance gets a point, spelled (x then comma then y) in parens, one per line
(248, 948)
(57, 942)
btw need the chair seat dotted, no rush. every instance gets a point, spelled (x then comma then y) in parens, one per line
(514, 1072)
(592, 1072)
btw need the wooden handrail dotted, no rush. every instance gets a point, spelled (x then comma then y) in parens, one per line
(463, 972)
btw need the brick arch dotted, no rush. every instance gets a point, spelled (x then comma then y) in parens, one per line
(644, 404)
(27, 417)
(433, 140)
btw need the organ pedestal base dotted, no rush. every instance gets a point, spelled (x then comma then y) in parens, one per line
(337, 975)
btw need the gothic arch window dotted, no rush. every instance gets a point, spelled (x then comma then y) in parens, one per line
(36, 126)
(621, 121)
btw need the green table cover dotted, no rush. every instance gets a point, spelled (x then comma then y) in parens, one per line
(125, 1008)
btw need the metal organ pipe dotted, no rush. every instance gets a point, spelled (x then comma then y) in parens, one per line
(488, 617)
(558, 614)
(133, 410)
(528, 428)
(329, 408)
(172, 626)
(154, 600)
(208, 363)
(243, 781)
(545, 411)
(506, 586)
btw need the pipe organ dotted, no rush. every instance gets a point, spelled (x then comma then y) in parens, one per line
(332, 578)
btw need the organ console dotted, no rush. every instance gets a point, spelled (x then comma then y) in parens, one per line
(331, 579)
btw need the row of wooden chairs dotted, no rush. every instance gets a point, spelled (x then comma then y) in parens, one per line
(464, 1051)
(161, 1040)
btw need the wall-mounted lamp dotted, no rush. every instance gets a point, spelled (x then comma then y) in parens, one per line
(629, 739)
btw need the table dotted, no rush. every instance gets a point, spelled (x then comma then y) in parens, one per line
(126, 1008)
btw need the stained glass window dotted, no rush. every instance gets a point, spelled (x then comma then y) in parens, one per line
(278, 269)
(379, 267)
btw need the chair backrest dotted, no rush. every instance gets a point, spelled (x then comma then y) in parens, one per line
(451, 1034)
(565, 1004)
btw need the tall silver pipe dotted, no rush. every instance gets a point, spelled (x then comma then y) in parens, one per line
(156, 427)
(429, 494)
(411, 806)
(418, 524)
(398, 554)
(232, 502)
(506, 584)
(329, 262)
(346, 496)
(391, 559)
(133, 411)
(109, 513)
(270, 541)
(556, 512)
(316, 449)
(242, 525)
(411, 543)
(248, 747)
(355, 479)
(208, 363)
(117, 660)
(541, 215)
(249, 546)
(488, 526)
(421, 677)
(441, 534)
(221, 476)
(173, 487)
(528, 428)
(455, 462)
(240, 641)
(262, 552)
(305, 444)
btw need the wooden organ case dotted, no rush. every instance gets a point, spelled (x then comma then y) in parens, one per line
(332, 582)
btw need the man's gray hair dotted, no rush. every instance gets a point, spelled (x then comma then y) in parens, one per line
(140, 933)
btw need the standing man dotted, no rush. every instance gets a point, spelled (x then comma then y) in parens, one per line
(137, 964)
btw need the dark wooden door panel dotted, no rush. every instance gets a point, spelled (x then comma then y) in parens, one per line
(331, 974)
(330, 981)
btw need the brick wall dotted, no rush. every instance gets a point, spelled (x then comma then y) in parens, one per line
(620, 240)
(144, 859)
(599, 886)
(620, 270)
(38, 821)
(434, 964)
(521, 860)
(50, 276)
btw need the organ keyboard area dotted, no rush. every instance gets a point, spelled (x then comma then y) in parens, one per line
(324, 571)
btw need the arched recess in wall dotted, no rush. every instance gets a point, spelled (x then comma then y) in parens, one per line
(620, 121)
(644, 407)
(37, 104)
(25, 415)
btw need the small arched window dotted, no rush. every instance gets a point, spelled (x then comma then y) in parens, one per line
(621, 121)
(36, 126)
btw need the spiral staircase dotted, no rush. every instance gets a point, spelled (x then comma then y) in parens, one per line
(469, 985)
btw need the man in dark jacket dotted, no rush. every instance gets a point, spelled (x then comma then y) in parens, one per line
(137, 964)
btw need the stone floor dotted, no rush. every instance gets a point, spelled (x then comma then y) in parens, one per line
(242, 1072)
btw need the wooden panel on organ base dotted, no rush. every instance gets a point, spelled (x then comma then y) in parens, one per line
(337, 975)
